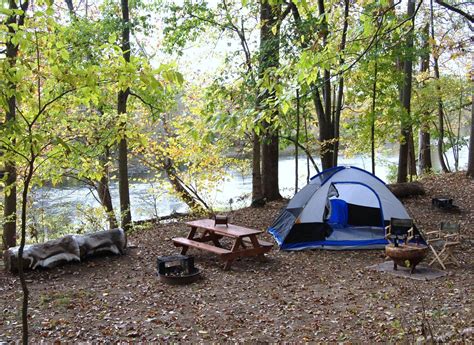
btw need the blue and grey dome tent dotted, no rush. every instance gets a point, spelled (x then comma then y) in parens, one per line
(340, 208)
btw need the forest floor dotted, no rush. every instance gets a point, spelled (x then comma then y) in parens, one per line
(303, 296)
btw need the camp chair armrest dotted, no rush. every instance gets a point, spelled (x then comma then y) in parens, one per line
(433, 235)
(410, 235)
(388, 232)
(451, 236)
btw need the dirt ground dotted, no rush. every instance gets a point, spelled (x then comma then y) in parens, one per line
(290, 296)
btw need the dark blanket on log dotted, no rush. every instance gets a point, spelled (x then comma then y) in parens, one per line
(109, 241)
(66, 249)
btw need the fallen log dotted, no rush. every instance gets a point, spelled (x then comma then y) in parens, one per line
(406, 189)
(66, 249)
(108, 241)
(48, 254)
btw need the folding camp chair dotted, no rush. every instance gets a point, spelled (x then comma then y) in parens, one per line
(399, 230)
(443, 242)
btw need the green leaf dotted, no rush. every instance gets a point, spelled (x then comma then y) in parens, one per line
(112, 38)
(64, 54)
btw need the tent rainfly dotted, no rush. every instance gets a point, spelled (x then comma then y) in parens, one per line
(340, 208)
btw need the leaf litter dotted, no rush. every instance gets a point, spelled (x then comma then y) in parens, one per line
(289, 296)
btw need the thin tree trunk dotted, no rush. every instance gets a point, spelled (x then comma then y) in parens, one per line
(309, 158)
(372, 115)
(9, 211)
(257, 192)
(340, 91)
(440, 102)
(70, 7)
(103, 190)
(297, 138)
(424, 160)
(327, 142)
(106, 201)
(470, 162)
(323, 107)
(411, 155)
(182, 191)
(122, 98)
(456, 148)
(406, 99)
(308, 172)
(21, 273)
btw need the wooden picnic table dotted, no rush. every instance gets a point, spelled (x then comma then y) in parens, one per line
(205, 235)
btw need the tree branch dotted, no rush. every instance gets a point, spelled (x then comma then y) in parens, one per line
(455, 9)
(47, 104)
(152, 108)
(308, 154)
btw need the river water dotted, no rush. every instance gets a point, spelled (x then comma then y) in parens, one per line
(150, 199)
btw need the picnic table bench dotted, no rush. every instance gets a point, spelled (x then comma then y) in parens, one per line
(205, 235)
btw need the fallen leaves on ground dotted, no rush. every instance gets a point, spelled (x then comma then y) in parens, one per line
(290, 296)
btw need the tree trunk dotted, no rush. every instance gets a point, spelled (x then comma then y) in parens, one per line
(340, 91)
(406, 128)
(470, 163)
(372, 114)
(308, 171)
(328, 140)
(103, 191)
(9, 212)
(328, 121)
(9, 208)
(257, 192)
(182, 191)
(297, 138)
(424, 158)
(70, 7)
(434, 52)
(122, 98)
(411, 155)
(270, 167)
(21, 273)
(269, 59)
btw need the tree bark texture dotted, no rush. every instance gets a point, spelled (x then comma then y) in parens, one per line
(434, 52)
(180, 188)
(269, 59)
(372, 115)
(406, 128)
(424, 158)
(340, 89)
(297, 138)
(270, 150)
(103, 191)
(470, 163)
(122, 98)
(257, 192)
(9, 212)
